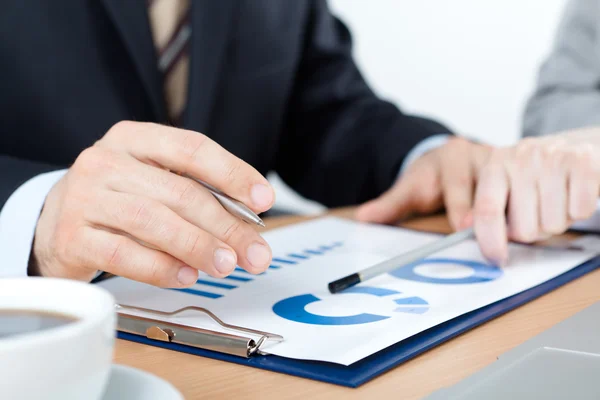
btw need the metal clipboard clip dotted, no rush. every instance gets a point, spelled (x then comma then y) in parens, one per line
(171, 332)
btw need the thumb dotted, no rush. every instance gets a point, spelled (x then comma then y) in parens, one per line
(392, 205)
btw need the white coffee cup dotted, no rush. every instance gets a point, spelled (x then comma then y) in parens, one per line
(71, 361)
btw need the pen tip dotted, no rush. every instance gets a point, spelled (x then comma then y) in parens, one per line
(344, 283)
(261, 223)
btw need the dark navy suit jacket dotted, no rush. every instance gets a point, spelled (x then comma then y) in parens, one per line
(272, 81)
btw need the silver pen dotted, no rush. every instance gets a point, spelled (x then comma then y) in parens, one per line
(232, 205)
(401, 260)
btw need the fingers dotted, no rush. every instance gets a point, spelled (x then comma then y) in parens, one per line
(197, 155)
(553, 195)
(489, 210)
(418, 190)
(122, 256)
(387, 208)
(523, 212)
(584, 182)
(568, 186)
(155, 224)
(457, 183)
(198, 206)
(552, 182)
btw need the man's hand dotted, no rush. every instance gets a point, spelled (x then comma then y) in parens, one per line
(536, 189)
(523, 193)
(444, 176)
(119, 209)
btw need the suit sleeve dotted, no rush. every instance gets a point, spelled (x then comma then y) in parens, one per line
(567, 93)
(342, 144)
(24, 186)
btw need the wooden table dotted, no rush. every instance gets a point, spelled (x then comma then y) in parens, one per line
(203, 378)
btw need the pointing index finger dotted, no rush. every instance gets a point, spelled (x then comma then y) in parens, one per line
(489, 212)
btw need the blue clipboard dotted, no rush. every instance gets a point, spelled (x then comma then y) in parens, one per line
(390, 357)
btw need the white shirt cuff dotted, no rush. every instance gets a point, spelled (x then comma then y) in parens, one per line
(18, 220)
(425, 145)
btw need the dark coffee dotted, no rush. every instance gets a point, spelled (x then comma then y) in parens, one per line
(18, 322)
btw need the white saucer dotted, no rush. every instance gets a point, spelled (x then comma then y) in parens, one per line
(133, 384)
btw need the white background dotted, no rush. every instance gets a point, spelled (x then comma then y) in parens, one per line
(471, 64)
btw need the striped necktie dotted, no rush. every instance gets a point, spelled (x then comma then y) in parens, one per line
(171, 31)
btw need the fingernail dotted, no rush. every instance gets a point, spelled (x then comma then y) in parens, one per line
(258, 255)
(187, 276)
(499, 262)
(224, 261)
(262, 196)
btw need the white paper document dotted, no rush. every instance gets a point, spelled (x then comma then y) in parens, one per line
(291, 298)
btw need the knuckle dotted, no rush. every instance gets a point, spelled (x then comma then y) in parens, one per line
(573, 158)
(155, 271)
(231, 231)
(526, 145)
(185, 193)
(557, 159)
(120, 128)
(140, 215)
(191, 146)
(549, 148)
(232, 171)
(497, 157)
(527, 155)
(194, 243)
(483, 173)
(91, 159)
(96, 160)
(587, 158)
(113, 253)
(521, 165)
(552, 145)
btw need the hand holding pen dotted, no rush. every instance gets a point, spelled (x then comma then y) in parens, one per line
(119, 210)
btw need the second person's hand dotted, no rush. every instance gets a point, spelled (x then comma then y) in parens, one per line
(118, 209)
(445, 176)
(536, 189)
